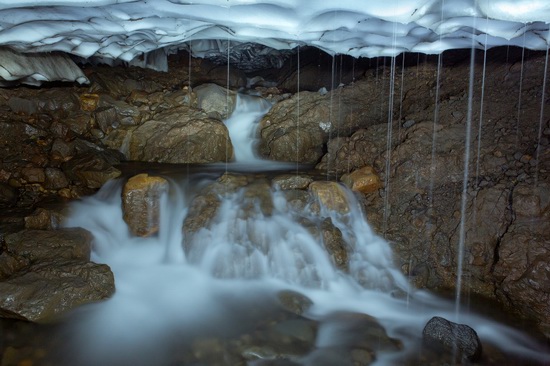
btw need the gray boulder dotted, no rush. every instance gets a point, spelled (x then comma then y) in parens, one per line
(442, 333)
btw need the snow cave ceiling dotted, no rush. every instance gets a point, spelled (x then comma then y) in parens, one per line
(144, 32)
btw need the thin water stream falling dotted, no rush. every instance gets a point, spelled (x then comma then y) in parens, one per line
(180, 287)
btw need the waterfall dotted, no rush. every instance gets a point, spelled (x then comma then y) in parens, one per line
(242, 126)
(176, 287)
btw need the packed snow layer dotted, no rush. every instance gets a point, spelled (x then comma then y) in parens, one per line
(33, 69)
(125, 29)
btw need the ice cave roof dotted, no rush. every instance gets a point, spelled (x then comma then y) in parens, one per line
(125, 29)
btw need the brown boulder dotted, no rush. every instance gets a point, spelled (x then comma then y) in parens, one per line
(330, 195)
(49, 289)
(92, 169)
(141, 198)
(46, 273)
(215, 100)
(364, 180)
(291, 181)
(42, 245)
(180, 135)
(335, 245)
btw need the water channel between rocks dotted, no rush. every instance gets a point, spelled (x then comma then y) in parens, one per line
(250, 266)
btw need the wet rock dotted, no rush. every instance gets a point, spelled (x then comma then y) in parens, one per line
(181, 135)
(62, 150)
(92, 169)
(55, 179)
(294, 301)
(283, 139)
(218, 75)
(355, 340)
(202, 210)
(43, 245)
(346, 154)
(330, 195)
(33, 175)
(529, 201)
(296, 199)
(141, 199)
(58, 100)
(334, 244)
(43, 219)
(114, 112)
(10, 264)
(204, 207)
(364, 180)
(522, 271)
(8, 195)
(22, 105)
(215, 100)
(291, 181)
(50, 288)
(89, 101)
(441, 333)
(288, 135)
(80, 122)
(106, 119)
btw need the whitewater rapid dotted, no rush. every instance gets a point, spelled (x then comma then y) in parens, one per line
(243, 254)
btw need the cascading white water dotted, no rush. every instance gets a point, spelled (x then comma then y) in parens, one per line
(244, 254)
(242, 126)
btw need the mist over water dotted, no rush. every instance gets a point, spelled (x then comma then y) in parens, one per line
(173, 289)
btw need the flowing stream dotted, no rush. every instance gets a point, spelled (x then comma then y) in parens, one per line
(178, 289)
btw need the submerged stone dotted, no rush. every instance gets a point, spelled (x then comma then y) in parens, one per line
(294, 301)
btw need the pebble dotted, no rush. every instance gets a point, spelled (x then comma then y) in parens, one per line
(409, 123)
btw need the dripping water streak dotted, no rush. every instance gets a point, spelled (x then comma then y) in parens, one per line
(332, 90)
(401, 96)
(389, 136)
(436, 119)
(298, 114)
(479, 131)
(348, 167)
(520, 88)
(434, 130)
(339, 123)
(542, 102)
(464, 196)
(189, 91)
(227, 157)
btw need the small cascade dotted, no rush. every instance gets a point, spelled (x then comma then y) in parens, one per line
(242, 126)
(187, 284)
